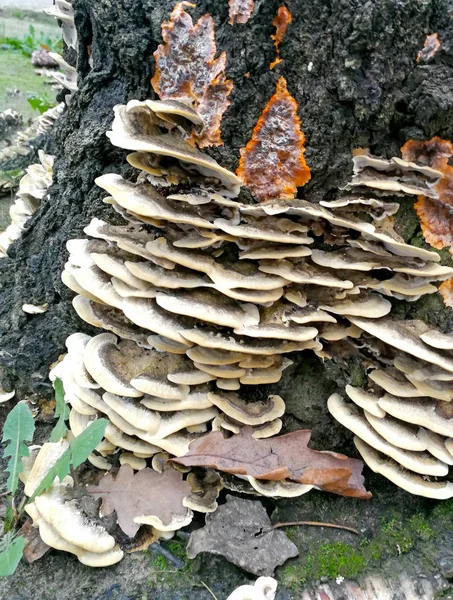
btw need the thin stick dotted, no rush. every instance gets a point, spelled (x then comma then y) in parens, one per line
(315, 524)
(209, 590)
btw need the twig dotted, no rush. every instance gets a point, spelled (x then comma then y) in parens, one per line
(209, 590)
(177, 562)
(315, 524)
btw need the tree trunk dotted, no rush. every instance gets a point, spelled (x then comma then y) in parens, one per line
(351, 66)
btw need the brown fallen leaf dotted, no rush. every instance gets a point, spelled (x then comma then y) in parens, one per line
(34, 548)
(277, 458)
(241, 531)
(272, 164)
(146, 492)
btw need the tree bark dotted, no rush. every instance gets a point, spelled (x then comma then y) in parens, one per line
(350, 64)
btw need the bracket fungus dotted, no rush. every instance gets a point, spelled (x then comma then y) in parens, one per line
(32, 189)
(198, 296)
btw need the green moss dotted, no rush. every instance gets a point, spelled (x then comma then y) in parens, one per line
(419, 525)
(394, 537)
(159, 562)
(336, 559)
(397, 535)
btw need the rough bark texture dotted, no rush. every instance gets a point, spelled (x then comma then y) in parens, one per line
(351, 65)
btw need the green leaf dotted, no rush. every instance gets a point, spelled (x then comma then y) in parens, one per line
(61, 412)
(79, 450)
(19, 427)
(11, 555)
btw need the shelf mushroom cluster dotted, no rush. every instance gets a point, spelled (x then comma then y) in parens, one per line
(207, 294)
(403, 421)
(63, 11)
(32, 188)
(155, 401)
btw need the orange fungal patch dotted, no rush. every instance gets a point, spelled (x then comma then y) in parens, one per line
(280, 22)
(272, 164)
(430, 47)
(435, 215)
(240, 11)
(446, 290)
(186, 69)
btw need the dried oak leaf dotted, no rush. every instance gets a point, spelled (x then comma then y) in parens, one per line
(143, 493)
(35, 548)
(430, 47)
(241, 531)
(272, 164)
(240, 11)
(186, 69)
(280, 22)
(277, 458)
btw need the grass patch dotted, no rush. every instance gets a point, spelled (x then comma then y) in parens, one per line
(17, 73)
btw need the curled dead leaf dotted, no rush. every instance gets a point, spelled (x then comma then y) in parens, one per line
(241, 531)
(278, 458)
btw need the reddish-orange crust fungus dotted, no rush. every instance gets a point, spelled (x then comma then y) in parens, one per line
(446, 289)
(240, 11)
(272, 164)
(280, 22)
(430, 47)
(186, 68)
(435, 215)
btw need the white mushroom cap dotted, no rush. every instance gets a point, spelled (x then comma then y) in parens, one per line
(412, 483)
(349, 416)
(50, 536)
(45, 460)
(100, 354)
(133, 412)
(160, 387)
(394, 383)
(435, 444)
(146, 313)
(249, 413)
(69, 522)
(206, 305)
(396, 432)
(127, 458)
(424, 412)
(279, 489)
(436, 339)
(366, 400)
(194, 401)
